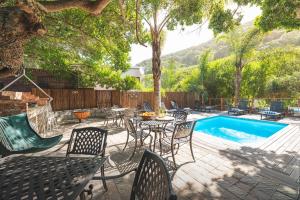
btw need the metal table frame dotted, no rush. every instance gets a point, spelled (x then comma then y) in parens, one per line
(157, 126)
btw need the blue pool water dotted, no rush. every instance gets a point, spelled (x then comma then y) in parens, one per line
(237, 129)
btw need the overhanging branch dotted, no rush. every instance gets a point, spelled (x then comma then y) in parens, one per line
(93, 7)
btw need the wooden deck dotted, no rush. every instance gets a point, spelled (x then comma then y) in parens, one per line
(222, 170)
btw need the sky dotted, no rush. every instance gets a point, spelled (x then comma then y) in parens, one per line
(191, 36)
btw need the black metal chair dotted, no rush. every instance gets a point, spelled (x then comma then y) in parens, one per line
(88, 141)
(128, 113)
(147, 107)
(179, 116)
(136, 134)
(110, 115)
(152, 180)
(182, 134)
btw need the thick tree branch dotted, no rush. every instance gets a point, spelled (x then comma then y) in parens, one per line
(164, 22)
(93, 7)
(137, 23)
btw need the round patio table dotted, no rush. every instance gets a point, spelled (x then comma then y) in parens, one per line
(157, 126)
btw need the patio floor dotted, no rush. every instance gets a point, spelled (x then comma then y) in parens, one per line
(222, 170)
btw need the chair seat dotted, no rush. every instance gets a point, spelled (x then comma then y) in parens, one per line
(236, 110)
(270, 113)
(167, 140)
(140, 134)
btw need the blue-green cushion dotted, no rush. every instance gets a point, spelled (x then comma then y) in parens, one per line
(16, 135)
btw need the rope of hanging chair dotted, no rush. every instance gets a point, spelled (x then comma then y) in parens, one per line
(31, 81)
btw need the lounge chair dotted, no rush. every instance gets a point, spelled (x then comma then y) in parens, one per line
(270, 115)
(277, 106)
(197, 106)
(207, 108)
(168, 111)
(17, 136)
(235, 111)
(176, 107)
(276, 111)
(240, 110)
(294, 111)
(243, 105)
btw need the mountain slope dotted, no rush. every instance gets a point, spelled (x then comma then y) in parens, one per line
(189, 56)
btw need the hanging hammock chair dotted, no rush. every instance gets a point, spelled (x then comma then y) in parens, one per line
(16, 133)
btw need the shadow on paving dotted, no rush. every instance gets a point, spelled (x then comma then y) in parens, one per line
(252, 177)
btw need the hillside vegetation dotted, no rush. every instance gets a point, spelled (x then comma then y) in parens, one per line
(270, 69)
(189, 56)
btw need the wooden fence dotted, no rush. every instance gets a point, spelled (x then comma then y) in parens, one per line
(68, 99)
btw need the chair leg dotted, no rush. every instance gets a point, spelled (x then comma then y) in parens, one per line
(173, 156)
(135, 145)
(126, 142)
(150, 141)
(154, 142)
(141, 141)
(191, 147)
(160, 145)
(103, 180)
(177, 148)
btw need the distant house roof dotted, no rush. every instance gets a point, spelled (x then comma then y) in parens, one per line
(137, 72)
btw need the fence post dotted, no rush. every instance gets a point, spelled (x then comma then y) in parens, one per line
(222, 104)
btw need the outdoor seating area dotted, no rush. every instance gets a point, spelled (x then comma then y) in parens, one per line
(149, 100)
(115, 149)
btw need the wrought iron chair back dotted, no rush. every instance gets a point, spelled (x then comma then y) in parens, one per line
(129, 112)
(109, 113)
(147, 107)
(152, 179)
(88, 141)
(183, 130)
(180, 116)
(174, 105)
(130, 126)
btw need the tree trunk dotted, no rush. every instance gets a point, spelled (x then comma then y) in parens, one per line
(156, 70)
(238, 80)
(17, 26)
(22, 22)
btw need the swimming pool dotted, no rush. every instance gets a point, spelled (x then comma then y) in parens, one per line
(238, 129)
